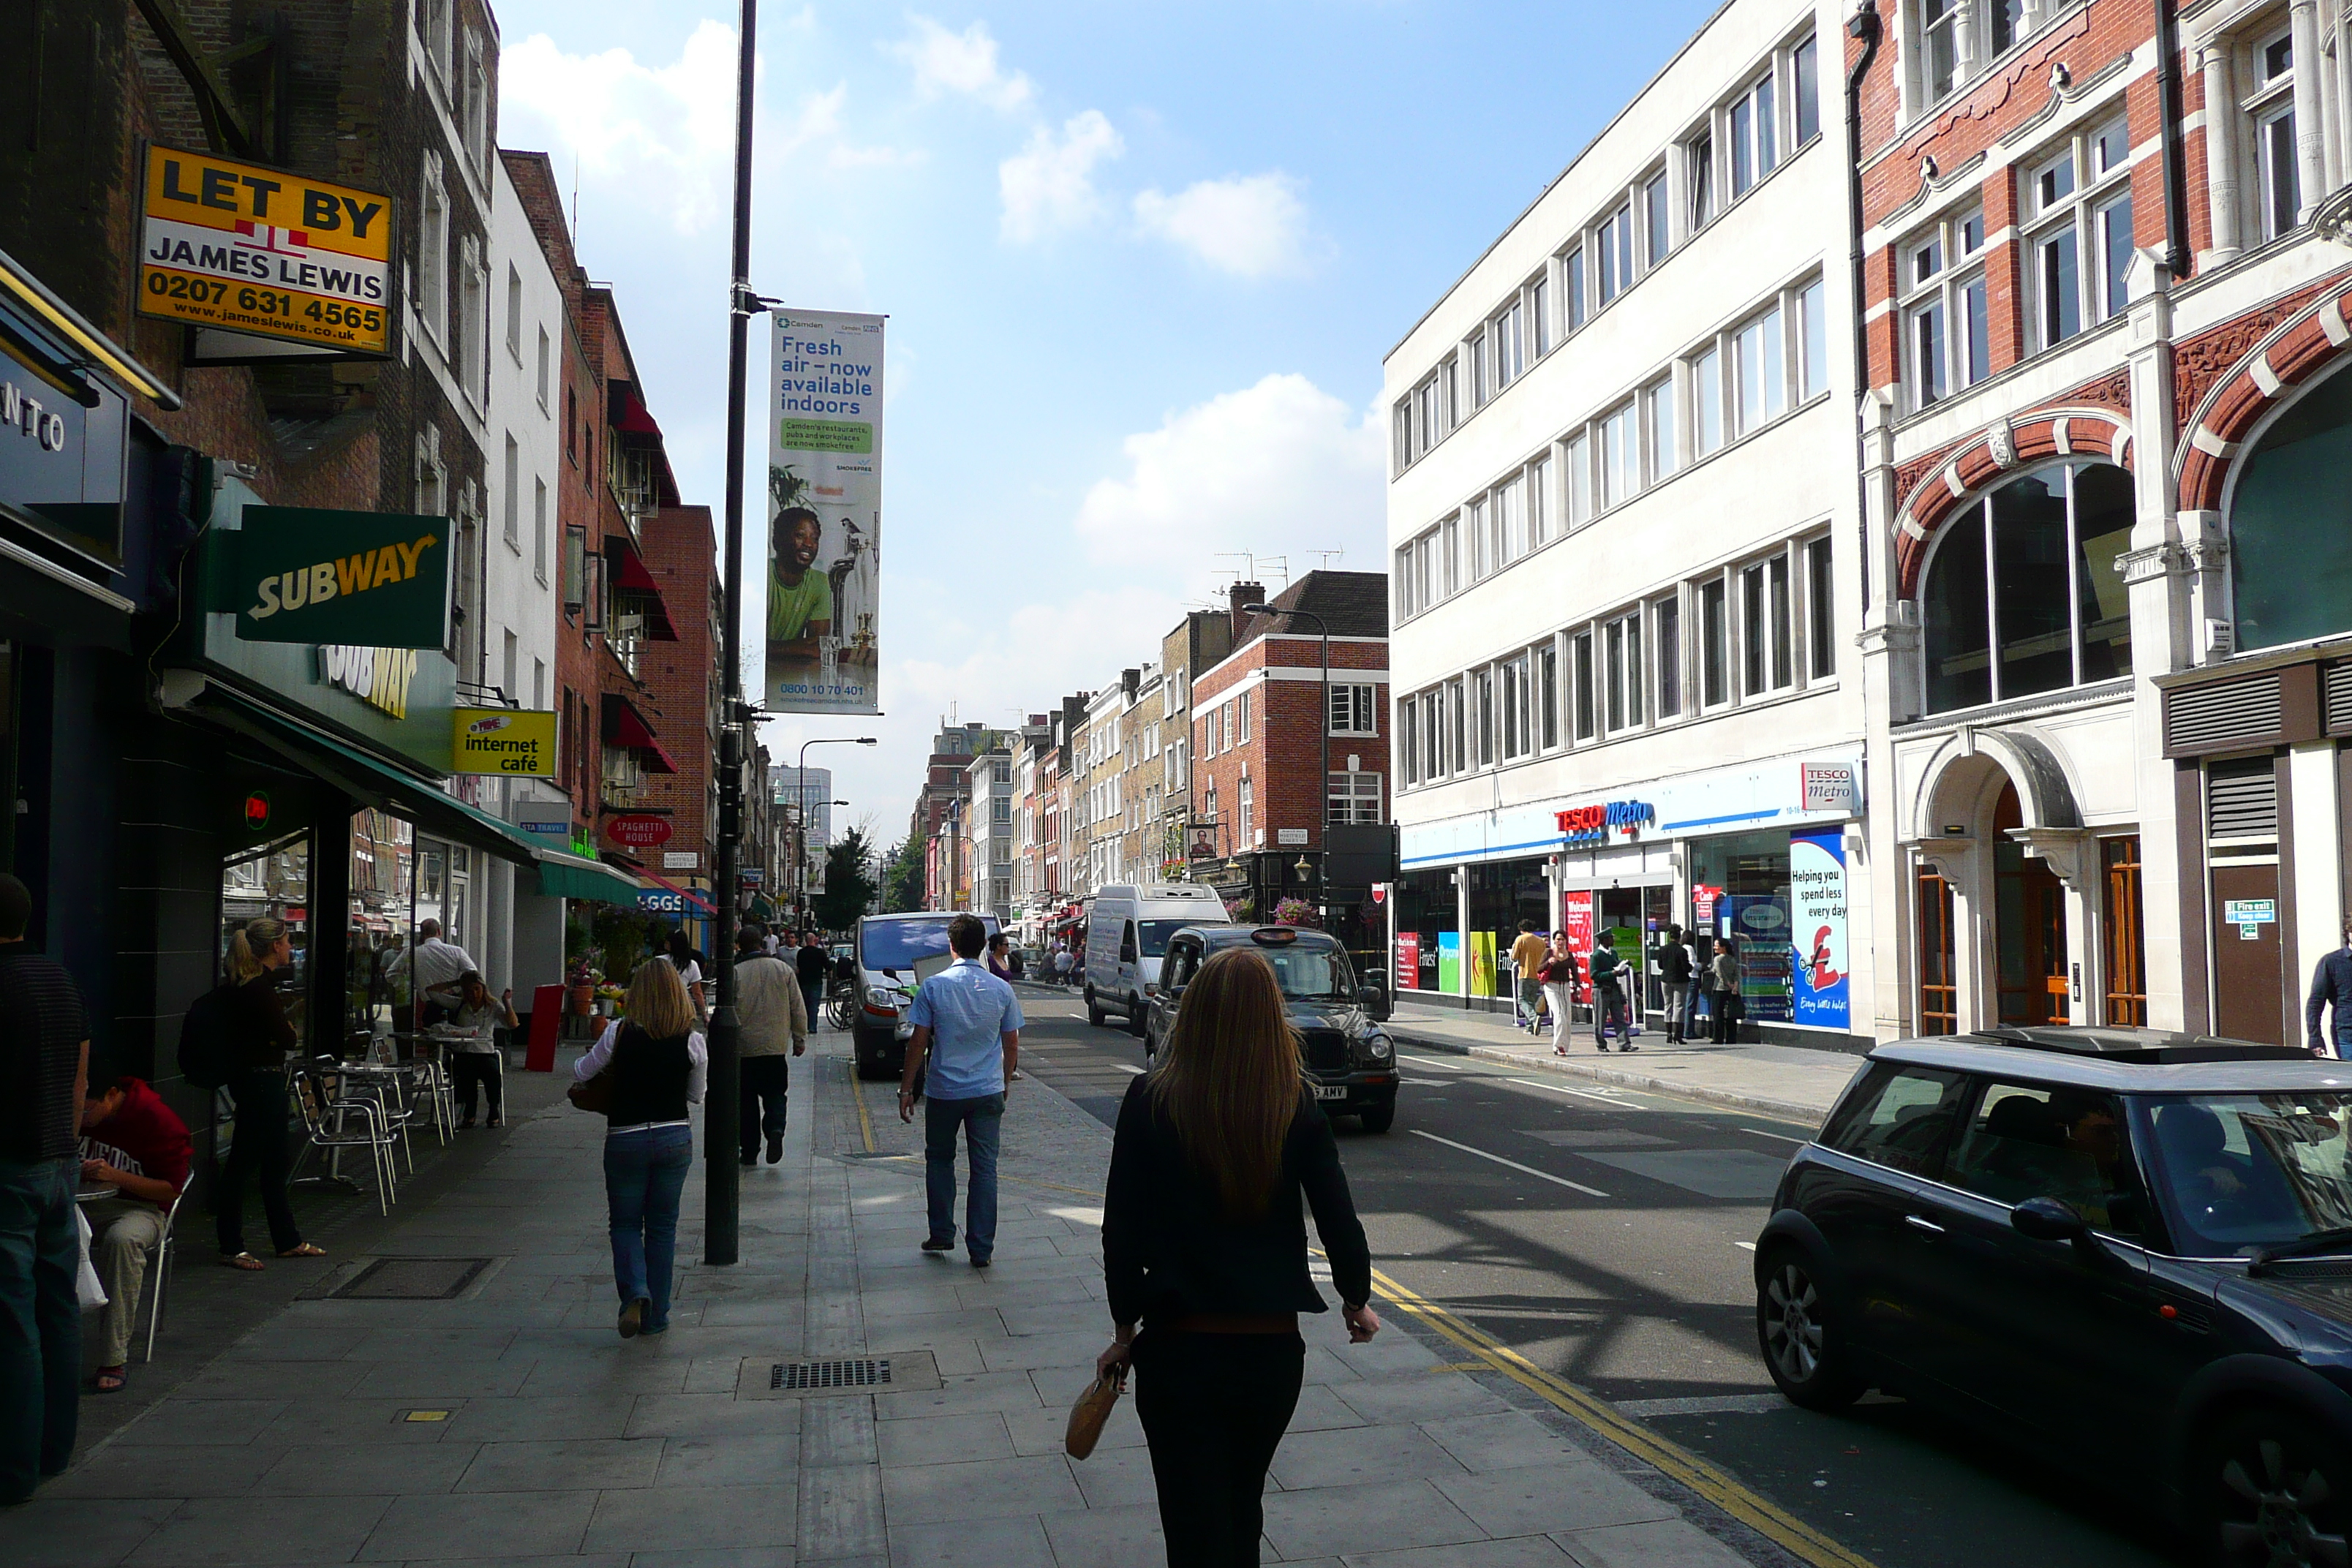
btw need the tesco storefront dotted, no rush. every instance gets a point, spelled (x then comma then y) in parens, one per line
(1762, 855)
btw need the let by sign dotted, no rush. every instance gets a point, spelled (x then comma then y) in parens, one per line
(302, 574)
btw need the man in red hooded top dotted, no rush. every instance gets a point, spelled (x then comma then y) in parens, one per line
(133, 1142)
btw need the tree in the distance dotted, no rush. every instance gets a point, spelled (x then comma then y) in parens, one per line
(848, 882)
(902, 880)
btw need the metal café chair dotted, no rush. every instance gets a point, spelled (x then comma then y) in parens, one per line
(159, 1263)
(326, 1119)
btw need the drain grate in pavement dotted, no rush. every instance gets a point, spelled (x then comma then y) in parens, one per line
(411, 1280)
(858, 1373)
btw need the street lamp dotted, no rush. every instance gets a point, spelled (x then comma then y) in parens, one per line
(1323, 725)
(800, 872)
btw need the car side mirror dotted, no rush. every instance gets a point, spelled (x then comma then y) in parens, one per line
(1374, 1001)
(2050, 1219)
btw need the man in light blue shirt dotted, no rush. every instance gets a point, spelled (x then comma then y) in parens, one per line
(968, 1026)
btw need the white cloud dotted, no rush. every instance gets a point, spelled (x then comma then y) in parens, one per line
(1251, 226)
(1049, 183)
(1280, 468)
(662, 134)
(961, 63)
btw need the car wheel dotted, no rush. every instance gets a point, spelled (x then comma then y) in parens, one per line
(2271, 1491)
(1803, 1344)
(1093, 1011)
(1380, 1117)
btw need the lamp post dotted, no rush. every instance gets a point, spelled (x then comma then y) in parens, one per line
(1323, 728)
(800, 870)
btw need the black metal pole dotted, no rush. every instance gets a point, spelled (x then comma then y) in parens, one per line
(722, 1197)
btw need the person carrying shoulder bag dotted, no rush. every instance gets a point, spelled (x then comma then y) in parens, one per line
(659, 1067)
(259, 1039)
(1204, 1251)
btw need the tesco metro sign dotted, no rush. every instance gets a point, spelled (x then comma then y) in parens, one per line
(1594, 824)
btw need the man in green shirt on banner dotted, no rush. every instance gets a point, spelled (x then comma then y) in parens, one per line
(799, 597)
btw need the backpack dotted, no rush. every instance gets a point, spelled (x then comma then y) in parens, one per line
(207, 1055)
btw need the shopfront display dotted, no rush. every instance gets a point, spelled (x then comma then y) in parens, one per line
(1427, 913)
(1753, 913)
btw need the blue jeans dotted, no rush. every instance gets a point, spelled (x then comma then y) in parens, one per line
(983, 1120)
(644, 1174)
(40, 1322)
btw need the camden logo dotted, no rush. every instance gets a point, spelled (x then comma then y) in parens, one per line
(351, 579)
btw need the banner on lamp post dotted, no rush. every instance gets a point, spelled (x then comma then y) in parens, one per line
(825, 513)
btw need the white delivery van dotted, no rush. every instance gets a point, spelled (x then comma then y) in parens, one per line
(1127, 932)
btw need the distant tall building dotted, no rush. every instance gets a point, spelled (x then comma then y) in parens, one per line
(785, 789)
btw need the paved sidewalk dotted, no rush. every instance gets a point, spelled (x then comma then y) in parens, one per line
(1782, 1081)
(512, 1425)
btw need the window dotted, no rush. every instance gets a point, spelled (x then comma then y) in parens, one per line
(1669, 621)
(1354, 797)
(1805, 87)
(2026, 1141)
(1755, 148)
(2278, 180)
(1821, 607)
(1509, 346)
(1510, 522)
(1482, 685)
(1714, 644)
(1547, 695)
(1408, 740)
(1946, 345)
(1482, 555)
(433, 252)
(545, 350)
(1751, 622)
(1249, 814)
(1572, 287)
(510, 502)
(1939, 25)
(1450, 554)
(2030, 570)
(1778, 624)
(1658, 428)
(1241, 716)
(1540, 306)
(1699, 161)
(1577, 471)
(539, 683)
(1354, 711)
(1581, 673)
(1763, 382)
(1474, 351)
(514, 312)
(1621, 458)
(1622, 700)
(1899, 1118)
(1657, 214)
(575, 568)
(2290, 559)
(1539, 502)
(1519, 734)
(1707, 402)
(2079, 249)
(1812, 340)
(1616, 244)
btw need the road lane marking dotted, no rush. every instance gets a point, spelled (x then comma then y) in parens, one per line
(1781, 1137)
(1514, 1164)
(1428, 1062)
(1766, 1518)
(1745, 1246)
(857, 1093)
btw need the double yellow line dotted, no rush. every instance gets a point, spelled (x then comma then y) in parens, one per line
(1777, 1525)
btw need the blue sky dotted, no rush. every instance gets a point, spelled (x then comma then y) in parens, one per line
(1140, 267)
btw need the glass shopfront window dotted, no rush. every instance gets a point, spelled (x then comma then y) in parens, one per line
(382, 921)
(1425, 927)
(272, 881)
(1739, 889)
(1501, 894)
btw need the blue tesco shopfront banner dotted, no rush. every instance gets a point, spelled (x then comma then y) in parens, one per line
(1817, 903)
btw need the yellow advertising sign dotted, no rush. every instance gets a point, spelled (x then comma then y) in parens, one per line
(248, 248)
(518, 742)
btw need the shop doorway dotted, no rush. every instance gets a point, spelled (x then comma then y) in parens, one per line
(2028, 926)
(2248, 958)
(2127, 933)
(1939, 984)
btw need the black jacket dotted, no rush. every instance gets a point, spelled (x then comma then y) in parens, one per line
(2331, 984)
(1168, 1248)
(259, 1033)
(1674, 964)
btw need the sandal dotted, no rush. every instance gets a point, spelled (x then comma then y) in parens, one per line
(110, 1380)
(244, 1260)
(303, 1249)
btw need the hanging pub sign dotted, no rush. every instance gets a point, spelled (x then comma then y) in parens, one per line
(360, 578)
(266, 253)
(518, 742)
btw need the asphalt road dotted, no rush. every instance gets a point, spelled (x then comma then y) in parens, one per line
(1603, 1235)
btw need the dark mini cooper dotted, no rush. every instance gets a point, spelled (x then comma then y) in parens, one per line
(1349, 1059)
(2128, 1249)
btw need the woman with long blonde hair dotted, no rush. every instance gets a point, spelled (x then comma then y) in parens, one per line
(656, 1056)
(1205, 1251)
(259, 1038)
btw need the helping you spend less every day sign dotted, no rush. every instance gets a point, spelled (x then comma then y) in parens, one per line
(248, 248)
(825, 513)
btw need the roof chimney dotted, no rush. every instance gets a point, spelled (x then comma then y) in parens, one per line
(1242, 593)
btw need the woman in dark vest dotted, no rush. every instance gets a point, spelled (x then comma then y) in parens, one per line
(656, 1056)
(1204, 1247)
(260, 1038)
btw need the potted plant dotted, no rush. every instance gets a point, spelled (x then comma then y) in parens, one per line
(1296, 912)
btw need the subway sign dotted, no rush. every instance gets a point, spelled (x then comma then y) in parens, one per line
(1594, 824)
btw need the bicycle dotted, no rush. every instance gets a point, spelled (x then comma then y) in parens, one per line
(840, 1004)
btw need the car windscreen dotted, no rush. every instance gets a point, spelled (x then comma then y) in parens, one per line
(900, 944)
(1312, 973)
(1154, 935)
(2251, 1170)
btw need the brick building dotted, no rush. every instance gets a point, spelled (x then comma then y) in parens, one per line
(2109, 644)
(684, 694)
(1259, 719)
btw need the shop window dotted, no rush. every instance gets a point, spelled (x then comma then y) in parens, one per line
(1427, 922)
(1753, 911)
(2127, 935)
(2291, 524)
(2030, 570)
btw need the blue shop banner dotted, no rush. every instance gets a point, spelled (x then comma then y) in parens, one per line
(1817, 908)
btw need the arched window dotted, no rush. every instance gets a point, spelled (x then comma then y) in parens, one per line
(2022, 594)
(2290, 522)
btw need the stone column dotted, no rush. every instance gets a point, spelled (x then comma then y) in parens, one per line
(2221, 153)
(2310, 119)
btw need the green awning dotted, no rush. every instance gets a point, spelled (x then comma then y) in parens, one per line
(387, 788)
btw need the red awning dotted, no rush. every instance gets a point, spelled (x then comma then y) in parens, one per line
(630, 415)
(625, 726)
(635, 583)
